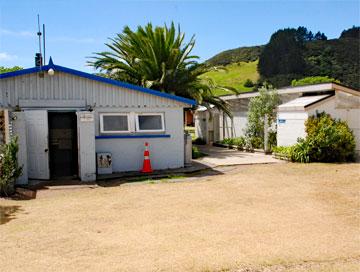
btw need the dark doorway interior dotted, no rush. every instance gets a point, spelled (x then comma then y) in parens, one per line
(63, 144)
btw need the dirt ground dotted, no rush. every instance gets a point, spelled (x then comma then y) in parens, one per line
(278, 217)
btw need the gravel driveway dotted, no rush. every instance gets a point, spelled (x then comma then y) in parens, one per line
(274, 217)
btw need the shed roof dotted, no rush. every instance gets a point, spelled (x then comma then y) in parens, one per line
(313, 88)
(301, 103)
(129, 86)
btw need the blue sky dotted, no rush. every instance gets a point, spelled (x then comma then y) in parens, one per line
(75, 29)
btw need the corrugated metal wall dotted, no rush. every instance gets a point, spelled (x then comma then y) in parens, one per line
(63, 86)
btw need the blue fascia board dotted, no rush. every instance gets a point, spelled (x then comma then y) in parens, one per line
(99, 79)
(133, 136)
(25, 71)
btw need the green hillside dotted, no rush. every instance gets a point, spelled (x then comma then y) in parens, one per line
(335, 58)
(235, 76)
(241, 54)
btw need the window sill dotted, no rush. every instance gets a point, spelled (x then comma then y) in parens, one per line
(132, 136)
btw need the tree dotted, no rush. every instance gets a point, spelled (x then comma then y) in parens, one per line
(283, 54)
(353, 32)
(9, 69)
(259, 106)
(158, 58)
(320, 36)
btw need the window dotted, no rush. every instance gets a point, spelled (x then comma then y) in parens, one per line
(114, 123)
(150, 122)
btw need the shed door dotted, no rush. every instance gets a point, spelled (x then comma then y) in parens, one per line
(37, 144)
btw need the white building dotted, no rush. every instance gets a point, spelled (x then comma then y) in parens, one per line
(297, 104)
(64, 119)
(343, 104)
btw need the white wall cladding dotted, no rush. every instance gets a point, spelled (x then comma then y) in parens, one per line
(294, 125)
(128, 154)
(239, 108)
(63, 86)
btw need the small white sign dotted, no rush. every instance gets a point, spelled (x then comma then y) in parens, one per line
(86, 117)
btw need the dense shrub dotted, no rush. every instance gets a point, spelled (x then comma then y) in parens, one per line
(9, 168)
(239, 142)
(313, 80)
(199, 141)
(256, 142)
(228, 141)
(330, 140)
(248, 83)
(327, 140)
(300, 152)
(283, 151)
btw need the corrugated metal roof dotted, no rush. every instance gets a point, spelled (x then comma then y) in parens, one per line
(121, 84)
(302, 102)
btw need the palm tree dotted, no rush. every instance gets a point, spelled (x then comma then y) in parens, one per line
(158, 58)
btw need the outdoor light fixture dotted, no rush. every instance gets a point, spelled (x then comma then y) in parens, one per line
(13, 117)
(51, 72)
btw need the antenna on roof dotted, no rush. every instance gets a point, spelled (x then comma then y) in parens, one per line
(38, 56)
(44, 43)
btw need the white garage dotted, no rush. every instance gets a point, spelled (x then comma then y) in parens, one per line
(343, 104)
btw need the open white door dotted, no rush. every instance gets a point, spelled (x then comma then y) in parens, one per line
(37, 144)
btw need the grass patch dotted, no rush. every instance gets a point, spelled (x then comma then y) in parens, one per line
(235, 76)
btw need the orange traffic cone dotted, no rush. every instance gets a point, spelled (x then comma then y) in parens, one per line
(147, 164)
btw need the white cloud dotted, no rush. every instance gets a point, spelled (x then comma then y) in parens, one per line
(7, 57)
(21, 33)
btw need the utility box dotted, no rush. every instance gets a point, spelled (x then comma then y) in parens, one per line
(104, 163)
(187, 150)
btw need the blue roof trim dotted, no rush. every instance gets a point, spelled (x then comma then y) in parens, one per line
(24, 71)
(133, 136)
(99, 79)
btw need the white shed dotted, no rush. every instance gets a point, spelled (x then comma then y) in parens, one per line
(342, 104)
(64, 119)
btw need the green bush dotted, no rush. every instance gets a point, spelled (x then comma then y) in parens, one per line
(248, 83)
(196, 153)
(239, 141)
(228, 141)
(330, 140)
(283, 151)
(257, 142)
(313, 80)
(300, 152)
(199, 141)
(9, 168)
(327, 140)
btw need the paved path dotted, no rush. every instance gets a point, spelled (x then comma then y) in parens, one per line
(219, 156)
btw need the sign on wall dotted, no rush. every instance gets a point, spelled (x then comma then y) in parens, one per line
(86, 117)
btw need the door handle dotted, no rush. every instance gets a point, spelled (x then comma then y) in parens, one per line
(46, 150)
